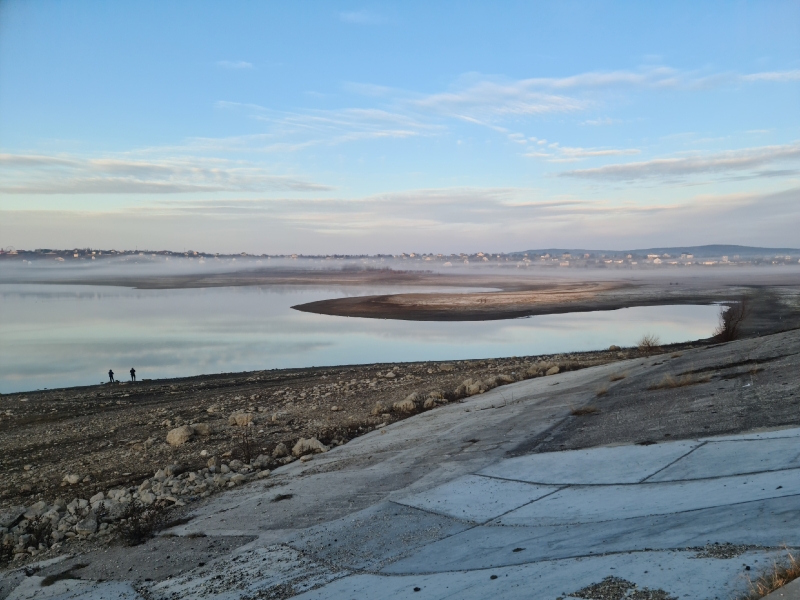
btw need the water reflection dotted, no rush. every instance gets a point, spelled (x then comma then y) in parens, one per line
(59, 335)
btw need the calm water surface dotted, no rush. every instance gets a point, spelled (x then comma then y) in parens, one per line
(62, 335)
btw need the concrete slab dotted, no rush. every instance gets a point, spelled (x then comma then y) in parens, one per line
(476, 498)
(677, 573)
(620, 464)
(587, 504)
(372, 538)
(269, 572)
(782, 432)
(735, 457)
(763, 523)
(790, 591)
(73, 589)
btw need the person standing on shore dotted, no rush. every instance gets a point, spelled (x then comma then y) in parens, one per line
(110, 376)
(133, 375)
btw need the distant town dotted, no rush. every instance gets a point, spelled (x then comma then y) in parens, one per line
(708, 256)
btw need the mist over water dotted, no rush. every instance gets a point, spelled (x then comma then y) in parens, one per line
(62, 335)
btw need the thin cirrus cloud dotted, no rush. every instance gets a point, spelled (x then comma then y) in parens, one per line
(234, 64)
(557, 153)
(297, 130)
(728, 162)
(485, 101)
(41, 174)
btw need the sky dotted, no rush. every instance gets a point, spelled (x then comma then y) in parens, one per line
(347, 127)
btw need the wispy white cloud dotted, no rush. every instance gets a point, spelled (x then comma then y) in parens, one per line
(733, 161)
(41, 174)
(234, 64)
(489, 100)
(777, 76)
(558, 153)
(601, 121)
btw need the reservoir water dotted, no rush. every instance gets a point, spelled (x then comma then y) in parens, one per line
(63, 335)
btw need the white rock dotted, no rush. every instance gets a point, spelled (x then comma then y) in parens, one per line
(280, 451)
(308, 446)
(179, 435)
(241, 419)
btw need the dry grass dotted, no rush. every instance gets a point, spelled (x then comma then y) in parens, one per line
(584, 410)
(675, 355)
(670, 381)
(617, 376)
(648, 344)
(778, 576)
(602, 391)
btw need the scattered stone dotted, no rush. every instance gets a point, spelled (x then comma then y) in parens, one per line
(98, 497)
(87, 526)
(203, 429)
(36, 510)
(379, 409)
(616, 588)
(280, 451)
(723, 551)
(261, 461)
(308, 446)
(179, 435)
(11, 516)
(241, 419)
(72, 478)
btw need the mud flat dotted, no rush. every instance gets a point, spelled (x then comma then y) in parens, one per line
(775, 298)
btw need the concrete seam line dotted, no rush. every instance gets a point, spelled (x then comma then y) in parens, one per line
(700, 445)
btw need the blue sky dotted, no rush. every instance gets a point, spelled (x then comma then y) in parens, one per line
(322, 127)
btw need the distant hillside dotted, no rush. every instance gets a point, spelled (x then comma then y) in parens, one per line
(698, 251)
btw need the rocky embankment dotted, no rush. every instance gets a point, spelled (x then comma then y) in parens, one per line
(76, 460)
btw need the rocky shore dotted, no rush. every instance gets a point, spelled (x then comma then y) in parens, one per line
(77, 460)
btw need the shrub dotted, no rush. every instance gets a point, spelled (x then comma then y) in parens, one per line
(778, 576)
(6, 552)
(671, 382)
(648, 344)
(244, 443)
(617, 376)
(730, 321)
(584, 410)
(139, 522)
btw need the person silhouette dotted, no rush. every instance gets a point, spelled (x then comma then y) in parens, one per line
(110, 376)
(133, 374)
